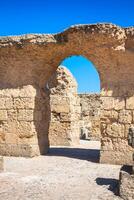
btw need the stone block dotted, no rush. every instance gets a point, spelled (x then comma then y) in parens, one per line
(115, 130)
(3, 115)
(12, 115)
(11, 138)
(24, 103)
(126, 183)
(26, 129)
(109, 116)
(59, 108)
(119, 103)
(6, 103)
(2, 103)
(24, 150)
(116, 157)
(130, 103)
(65, 117)
(59, 133)
(125, 116)
(107, 103)
(25, 115)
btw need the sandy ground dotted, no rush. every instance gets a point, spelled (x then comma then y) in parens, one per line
(64, 174)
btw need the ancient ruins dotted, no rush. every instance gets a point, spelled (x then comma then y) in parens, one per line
(72, 115)
(26, 64)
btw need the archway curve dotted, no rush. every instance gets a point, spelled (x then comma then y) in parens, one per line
(63, 114)
(85, 73)
(85, 57)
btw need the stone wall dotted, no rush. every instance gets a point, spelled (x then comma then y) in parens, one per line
(21, 119)
(28, 61)
(64, 108)
(90, 115)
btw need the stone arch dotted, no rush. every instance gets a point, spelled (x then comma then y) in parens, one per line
(72, 113)
(37, 56)
(82, 67)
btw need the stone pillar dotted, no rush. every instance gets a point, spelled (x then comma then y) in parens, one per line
(64, 108)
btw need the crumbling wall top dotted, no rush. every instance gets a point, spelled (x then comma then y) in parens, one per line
(107, 29)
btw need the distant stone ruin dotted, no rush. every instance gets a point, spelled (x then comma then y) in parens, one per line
(26, 64)
(90, 116)
(72, 115)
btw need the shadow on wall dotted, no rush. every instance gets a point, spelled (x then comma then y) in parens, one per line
(42, 126)
(91, 155)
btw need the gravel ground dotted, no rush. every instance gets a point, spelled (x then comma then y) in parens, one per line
(64, 174)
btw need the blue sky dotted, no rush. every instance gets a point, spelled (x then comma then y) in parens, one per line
(52, 16)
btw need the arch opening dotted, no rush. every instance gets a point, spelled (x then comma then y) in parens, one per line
(74, 92)
(85, 73)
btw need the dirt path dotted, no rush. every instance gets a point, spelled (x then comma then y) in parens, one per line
(64, 174)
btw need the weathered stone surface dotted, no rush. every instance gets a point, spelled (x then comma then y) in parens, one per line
(27, 62)
(1, 163)
(64, 108)
(90, 115)
(125, 116)
(126, 183)
(130, 103)
(3, 115)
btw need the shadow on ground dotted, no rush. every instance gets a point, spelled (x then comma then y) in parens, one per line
(113, 184)
(78, 153)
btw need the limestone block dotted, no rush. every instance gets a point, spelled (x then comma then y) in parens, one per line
(109, 116)
(1, 163)
(115, 130)
(59, 99)
(116, 157)
(11, 138)
(125, 116)
(119, 103)
(3, 115)
(65, 117)
(130, 102)
(6, 103)
(12, 115)
(59, 133)
(106, 144)
(59, 108)
(121, 144)
(24, 103)
(126, 183)
(24, 150)
(26, 129)
(107, 103)
(25, 115)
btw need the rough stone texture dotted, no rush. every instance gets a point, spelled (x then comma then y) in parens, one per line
(1, 163)
(64, 108)
(27, 62)
(126, 183)
(90, 115)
